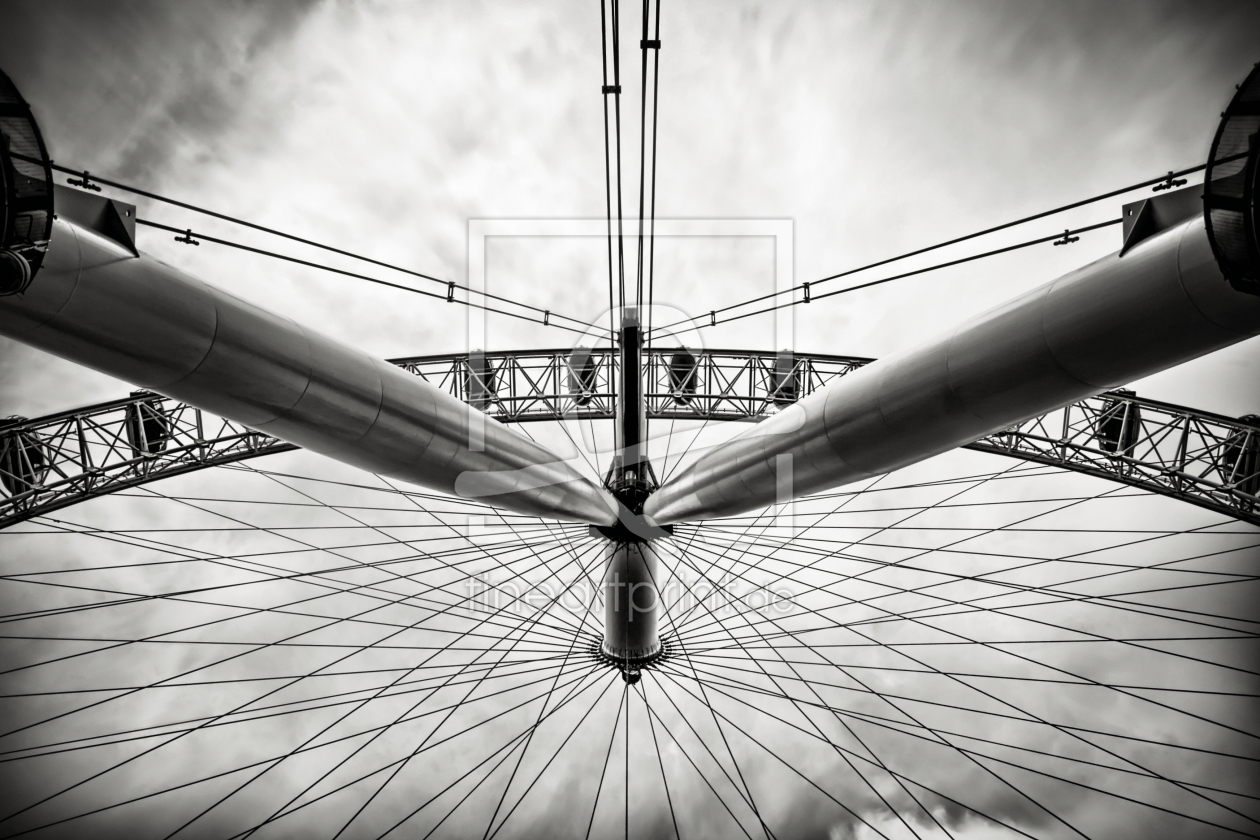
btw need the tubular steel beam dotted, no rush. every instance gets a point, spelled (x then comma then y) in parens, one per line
(1197, 457)
(1184, 284)
(1116, 320)
(97, 303)
(74, 284)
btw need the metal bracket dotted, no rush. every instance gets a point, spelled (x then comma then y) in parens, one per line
(1067, 239)
(85, 182)
(112, 219)
(187, 238)
(650, 44)
(1143, 219)
(612, 88)
(805, 286)
(450, 291)
(631, 527)
(1170, 183)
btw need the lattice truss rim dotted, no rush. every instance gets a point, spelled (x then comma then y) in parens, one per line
(1199, 457)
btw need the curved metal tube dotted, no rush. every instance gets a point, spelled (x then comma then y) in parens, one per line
(145, 322)
(1119, 319)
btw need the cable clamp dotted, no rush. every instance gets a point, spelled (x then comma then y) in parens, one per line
(612, 88)
(546, 317)
(712, 317)
(85, 183)
(1067, 239)
(450, 291)
(805, 286)
(187, 238)
(650, 44)
(1169, 183)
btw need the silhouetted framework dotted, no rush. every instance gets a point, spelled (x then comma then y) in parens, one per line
(1205, 459)
(680, 384)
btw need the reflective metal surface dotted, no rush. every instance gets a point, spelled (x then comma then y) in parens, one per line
(1119, 319)
(148, 323)
(1191, 455)
(631, 602)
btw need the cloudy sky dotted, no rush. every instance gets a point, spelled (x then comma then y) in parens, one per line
(872, 128)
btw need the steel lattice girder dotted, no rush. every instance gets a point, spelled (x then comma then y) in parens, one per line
(1201, 458)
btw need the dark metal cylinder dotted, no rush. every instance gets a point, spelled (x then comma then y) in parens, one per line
(631, 603)
(631, 406)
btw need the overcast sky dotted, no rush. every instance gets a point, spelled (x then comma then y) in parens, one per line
(872, 128)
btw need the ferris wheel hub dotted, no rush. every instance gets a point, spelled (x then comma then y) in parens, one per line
(632, 670)
(631, 605)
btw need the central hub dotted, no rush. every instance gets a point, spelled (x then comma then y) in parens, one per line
(631, 573)
(631, 672)
(631, 598)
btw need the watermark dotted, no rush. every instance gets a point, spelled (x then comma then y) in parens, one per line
(727, 596)
(480, 231)
(481, 290)
(482, 287)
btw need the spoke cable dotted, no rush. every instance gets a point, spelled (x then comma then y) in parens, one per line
(897, 814)
(1042, 721)
(956, 241)
(314, 244)
(669, 673)
(546, 320)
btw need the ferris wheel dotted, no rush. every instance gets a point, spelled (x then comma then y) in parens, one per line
(627, 587)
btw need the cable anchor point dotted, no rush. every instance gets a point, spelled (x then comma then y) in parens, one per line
(1067, 239)
(187, 238)
(1169, 183)
(85, 182)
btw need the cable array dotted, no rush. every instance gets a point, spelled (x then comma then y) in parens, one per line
(866, 662)
(612, 153)
(610, 18)
(809, 297)
(548, 317)
(190, 237)
(807, 287)
(645, 44)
